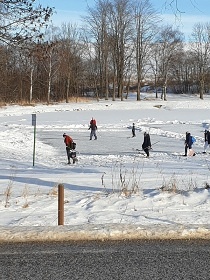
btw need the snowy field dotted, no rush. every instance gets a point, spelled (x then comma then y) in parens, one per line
(113, 191)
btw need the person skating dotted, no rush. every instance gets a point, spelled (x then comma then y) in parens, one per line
(70, 145)
(188, 144)
(93, 128)
(133, 130)
(206, 140)
(146, 146)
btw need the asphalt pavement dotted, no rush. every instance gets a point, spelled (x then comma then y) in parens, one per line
(123, 260)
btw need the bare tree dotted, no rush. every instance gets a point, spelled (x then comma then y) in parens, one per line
(70, 53)
(121, 34)
(29, 55)
(92, 77)
(176, 6)
(169, 43)
(8, 81)
(22, 20)
(145, 29)
(154, 62)
(201, 49)
(98, 29)
(48, 58)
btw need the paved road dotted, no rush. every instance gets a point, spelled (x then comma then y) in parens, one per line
(106, 260)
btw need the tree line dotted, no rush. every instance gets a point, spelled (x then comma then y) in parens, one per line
(121, 47)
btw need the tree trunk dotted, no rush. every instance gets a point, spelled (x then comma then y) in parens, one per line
(138, 97)
(49, 77)
(67, 89)
(202, 88)
(31, 85)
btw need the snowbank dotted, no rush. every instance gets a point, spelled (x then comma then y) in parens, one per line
(103, 233)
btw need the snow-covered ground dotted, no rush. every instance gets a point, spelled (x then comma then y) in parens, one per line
(113, 191)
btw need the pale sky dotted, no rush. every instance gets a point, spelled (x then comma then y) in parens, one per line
(191, 12)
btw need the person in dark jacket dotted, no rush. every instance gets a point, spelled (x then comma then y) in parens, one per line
(188, 143)
(133, 130)
(146, 146)
(93, 128)
(206, 140)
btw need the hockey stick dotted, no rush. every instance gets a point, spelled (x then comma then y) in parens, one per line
(148, 147)
(155, 143)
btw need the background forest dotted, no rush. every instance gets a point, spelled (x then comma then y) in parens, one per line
(121, 47)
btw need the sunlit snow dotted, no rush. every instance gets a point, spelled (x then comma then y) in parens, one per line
(113, 191)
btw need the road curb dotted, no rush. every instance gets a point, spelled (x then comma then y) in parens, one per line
(103, 233)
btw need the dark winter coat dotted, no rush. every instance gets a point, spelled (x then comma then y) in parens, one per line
(188, 140)
(133, 130)
(207, 136)
(147, 143)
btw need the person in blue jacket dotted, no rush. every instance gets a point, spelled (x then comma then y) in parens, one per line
(188, 143)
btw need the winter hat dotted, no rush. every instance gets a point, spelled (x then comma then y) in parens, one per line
(64, 134)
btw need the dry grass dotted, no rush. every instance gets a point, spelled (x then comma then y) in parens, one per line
(25, 191)
(2, 104)
(8, 191)
(96, 197)
(123, 181)
(33, 104)
(38, 192)
(25, 205)
(79, 99)
(173, 185)
(7, 194)
(170, 186)
(26, 103)
(54, 191)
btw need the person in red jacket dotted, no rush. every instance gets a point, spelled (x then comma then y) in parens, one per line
(93, 128)
(69, 145)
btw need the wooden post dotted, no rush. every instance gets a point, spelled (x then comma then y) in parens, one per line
(60, 205)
